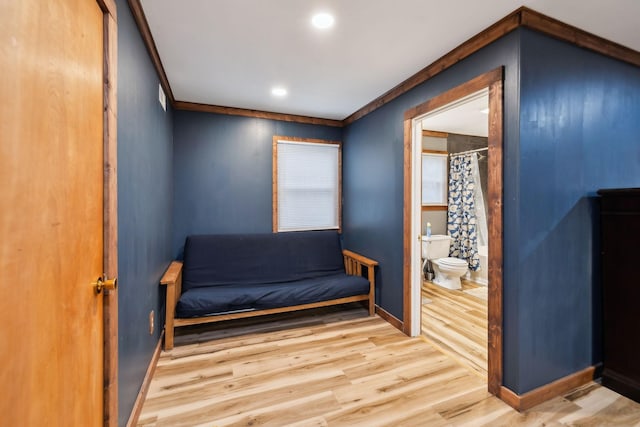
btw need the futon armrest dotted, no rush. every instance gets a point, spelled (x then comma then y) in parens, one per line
(172, 279)
(172, 275)
(353, 264)
(359, 258)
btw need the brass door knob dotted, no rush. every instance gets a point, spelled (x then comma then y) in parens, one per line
(104, 283)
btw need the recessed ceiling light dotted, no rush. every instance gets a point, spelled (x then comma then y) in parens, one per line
(279, 91)
(322, 20)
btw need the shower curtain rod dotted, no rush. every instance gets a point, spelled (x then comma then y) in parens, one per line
(469, 151)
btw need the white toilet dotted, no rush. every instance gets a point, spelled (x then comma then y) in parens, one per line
(447, 270)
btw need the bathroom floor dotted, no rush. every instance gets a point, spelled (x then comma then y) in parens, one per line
(456, 321)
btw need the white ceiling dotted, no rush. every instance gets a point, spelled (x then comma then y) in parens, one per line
(468, 116)
(232, 52)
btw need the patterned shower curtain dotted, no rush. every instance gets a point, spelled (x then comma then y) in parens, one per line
(461, 217)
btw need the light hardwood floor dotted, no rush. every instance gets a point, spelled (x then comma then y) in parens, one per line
(456, 322)
(339, 367)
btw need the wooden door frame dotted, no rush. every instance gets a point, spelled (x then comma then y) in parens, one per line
(110, 203)
(494, 81)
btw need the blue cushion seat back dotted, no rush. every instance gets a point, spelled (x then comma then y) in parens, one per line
(247, 259)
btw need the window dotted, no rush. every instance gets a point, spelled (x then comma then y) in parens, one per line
(434, 179)
(307, 181)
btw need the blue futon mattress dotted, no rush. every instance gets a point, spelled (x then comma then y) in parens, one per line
(205, 301)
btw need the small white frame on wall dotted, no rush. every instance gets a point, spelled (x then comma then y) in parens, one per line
(434, 179)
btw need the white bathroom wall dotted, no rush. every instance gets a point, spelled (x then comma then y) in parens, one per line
(433, 143)
(438, 220)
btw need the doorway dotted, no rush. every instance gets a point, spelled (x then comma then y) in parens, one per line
(492, 82)
(454, 229)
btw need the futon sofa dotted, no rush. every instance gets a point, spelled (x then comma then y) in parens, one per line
(224, 277)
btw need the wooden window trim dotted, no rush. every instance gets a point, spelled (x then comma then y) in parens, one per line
(434, 134)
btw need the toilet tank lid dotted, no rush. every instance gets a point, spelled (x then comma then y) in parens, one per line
(452, 261)
(435, 237)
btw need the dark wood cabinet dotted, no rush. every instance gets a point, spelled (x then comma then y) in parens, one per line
(620, 231)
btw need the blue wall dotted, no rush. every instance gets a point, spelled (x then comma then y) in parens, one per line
(570, 127)
(579, 132)
(144, 207)
(373, 169)
(222, 172)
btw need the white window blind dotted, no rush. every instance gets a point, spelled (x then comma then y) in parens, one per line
(308, 183)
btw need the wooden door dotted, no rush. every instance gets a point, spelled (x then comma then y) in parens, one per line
(51, 217)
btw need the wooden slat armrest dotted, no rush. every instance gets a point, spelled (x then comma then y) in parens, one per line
(353, 264)
(172, 274)
(172, 279)
(361, 259)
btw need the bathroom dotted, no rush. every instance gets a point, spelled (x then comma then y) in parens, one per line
(435, 215)
(462, 128)
(454, 291)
